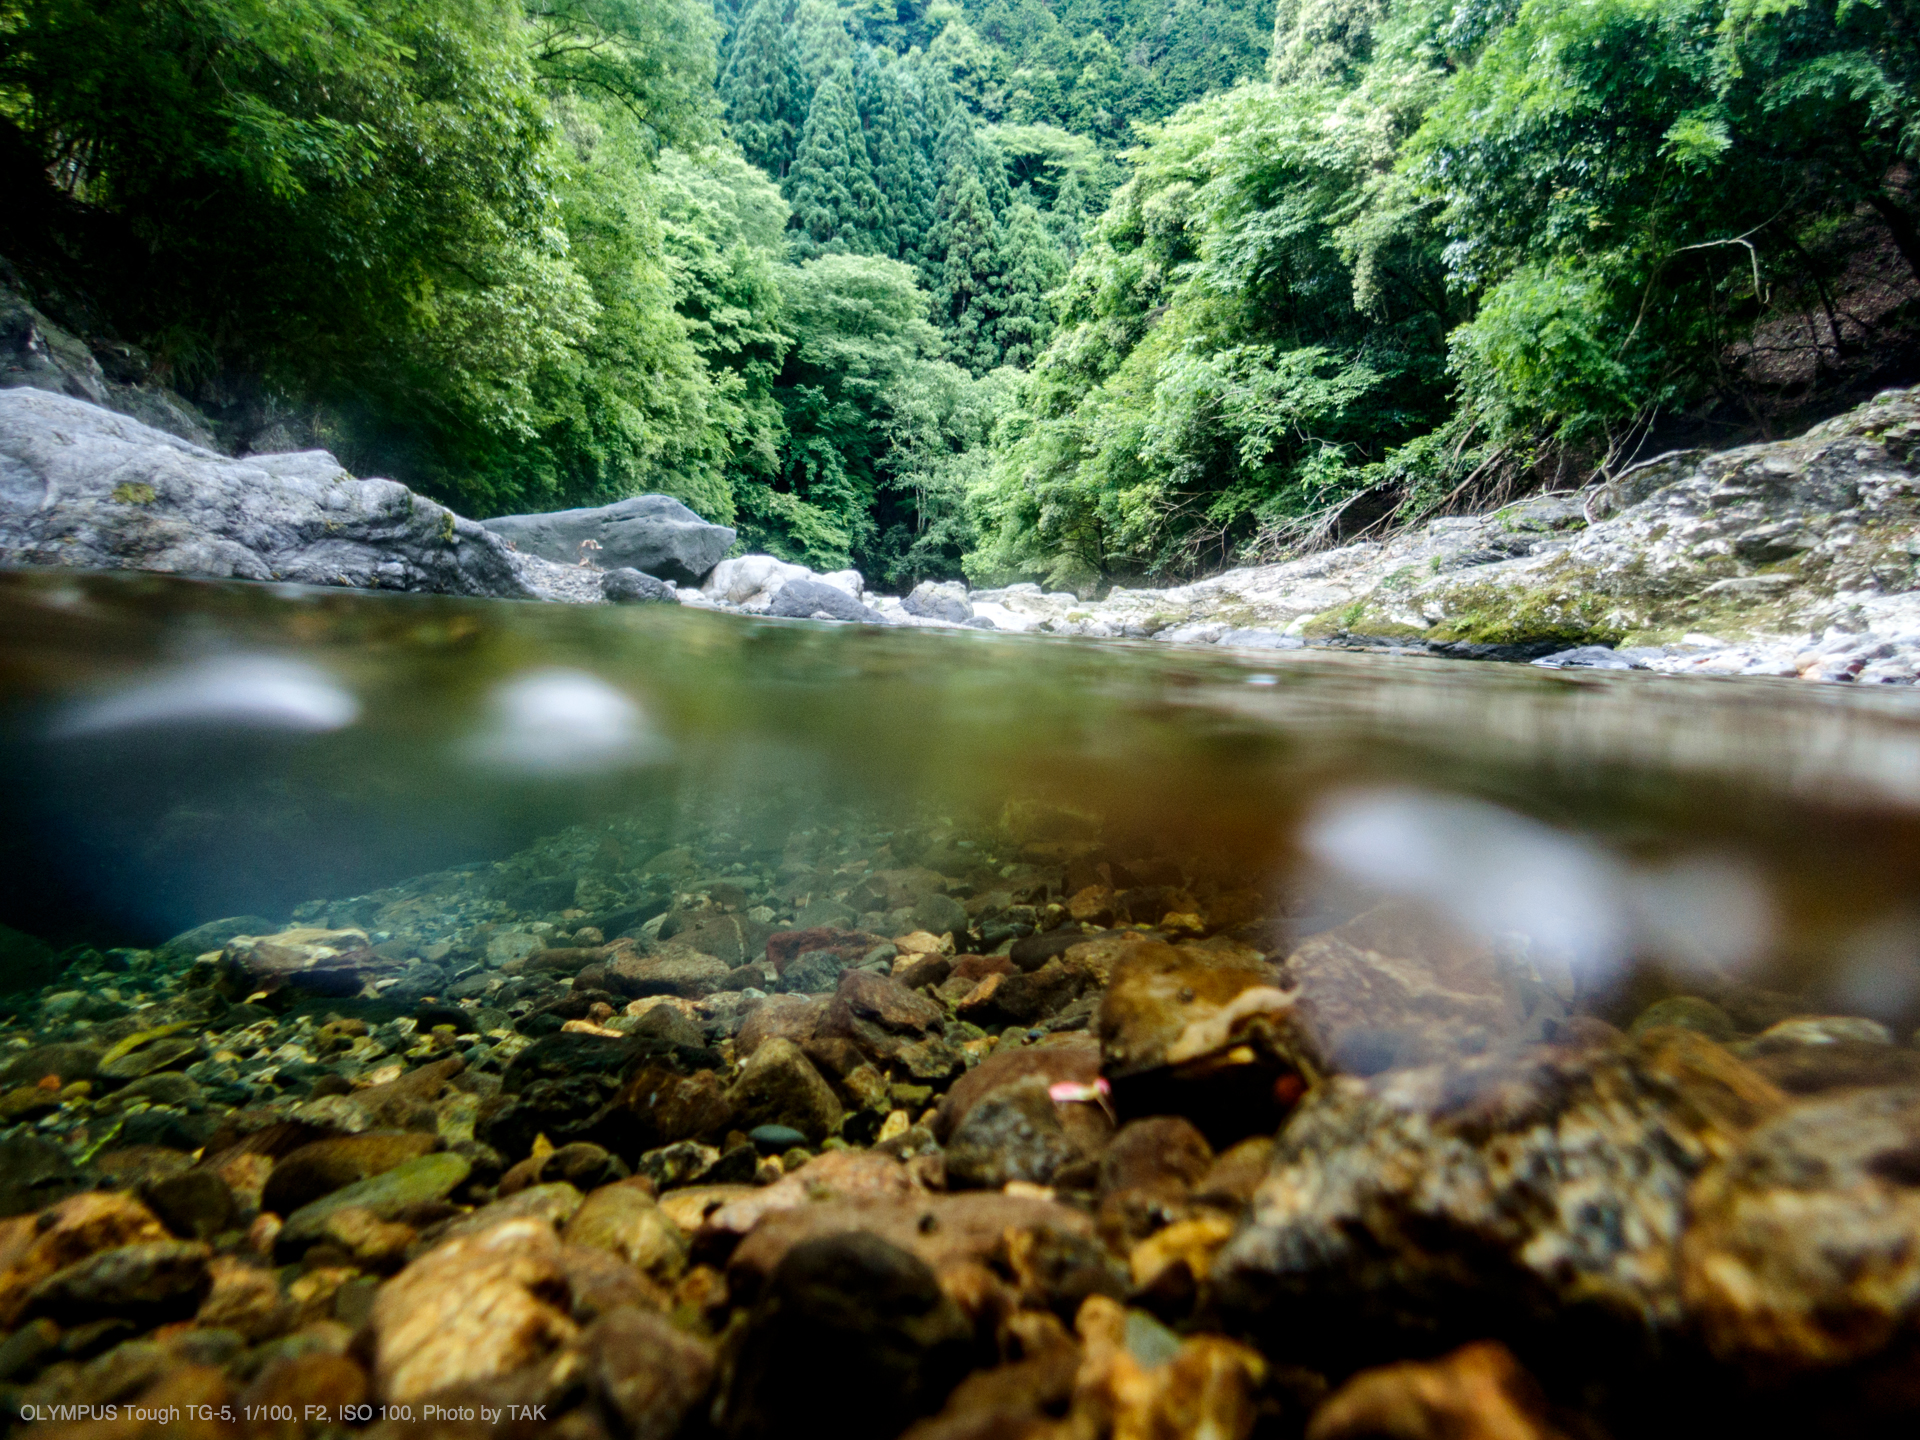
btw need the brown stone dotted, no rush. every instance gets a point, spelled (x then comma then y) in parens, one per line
(661, 1107)
(1837, 1065)
(1017, 1401)
(786, 1017)
(600, 1283)
(690, 1207)
(302, 1395)
(66, 1063)
(845, 1174)
(552, 1205)
(734, 939)
(1167, 1004)
(474, 1308)
(896, 889)
(1392, 987)
(674, 969)
(650, 1374)
(927, 970)
(1164, 1154)
(1078, 1062)
(36, 1247)
(568, 961)
(1800, 1256)
(779, 1086)
(1232, 1179)
(852, 946)
(1208, 1386)
(1047, 1249)
(1381, 1190)
(865, 998)
(329, 1165)
(245, 1298)
(1479, 1392)
(366, 1239)
(978, 967)
(624, 1220)
(147, 1278)
(407, 1103)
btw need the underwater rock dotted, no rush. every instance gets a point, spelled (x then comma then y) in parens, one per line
(674, 969)
(1014, 1133)
(410, 1185)
(142, 1279)
(70, 1232)
(890, 1025)
(1490, 1197)
(1075, 1062)
(1689, 1012)
(1799, 1257)
(1479, 1392)
(325, 1166)
(648, 1372)
(34, 1172)
(1162, 1155)
(473, 1309)
(1199, 1030)
(783, 947)
(779, 1086)
(1025, 998)
(848, 1304)
(1138, 1378)
(623, 1220)
(330, 962)
(654, 534)
(195, 1205)
(1392, 987)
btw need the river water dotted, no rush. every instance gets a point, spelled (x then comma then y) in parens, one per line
(1435, 1002)
(180, 750)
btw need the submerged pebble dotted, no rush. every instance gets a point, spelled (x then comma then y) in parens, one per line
(953, 1133)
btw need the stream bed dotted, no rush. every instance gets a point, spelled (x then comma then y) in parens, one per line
(493, 1018)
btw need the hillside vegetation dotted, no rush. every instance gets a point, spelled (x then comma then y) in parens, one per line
(1068, 292)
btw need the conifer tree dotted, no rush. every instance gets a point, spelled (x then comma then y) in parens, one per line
(1032, 267)
(963, 151)
(893, 114)
(837, 207)
(761, 89)
(821, 44)
(967, 304)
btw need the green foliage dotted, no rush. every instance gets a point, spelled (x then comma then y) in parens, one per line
(969, 301)
(762, 89)
(837, 206)
(1437, 241)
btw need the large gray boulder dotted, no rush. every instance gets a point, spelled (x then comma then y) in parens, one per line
(654, 534)
(806, 599)
(36, 353)
(83, 487)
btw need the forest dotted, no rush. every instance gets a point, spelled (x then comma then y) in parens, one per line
(1079, 292)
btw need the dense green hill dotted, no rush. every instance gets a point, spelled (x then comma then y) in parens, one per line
(1063, 291)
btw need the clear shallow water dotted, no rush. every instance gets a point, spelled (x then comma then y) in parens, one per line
(180, 750)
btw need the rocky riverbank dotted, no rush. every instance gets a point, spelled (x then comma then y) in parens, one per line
(1029, 1131)
(1791, 558)
(1786, 559)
